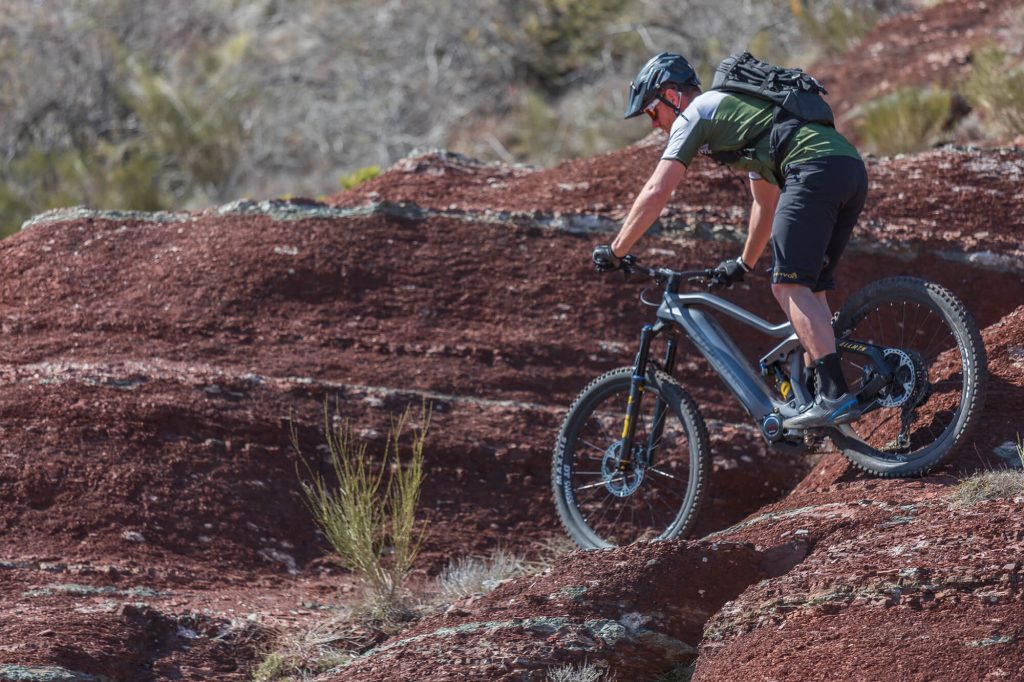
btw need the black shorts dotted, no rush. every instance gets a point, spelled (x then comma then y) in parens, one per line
(819, 206)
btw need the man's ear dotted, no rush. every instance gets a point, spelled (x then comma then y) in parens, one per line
(680, 100)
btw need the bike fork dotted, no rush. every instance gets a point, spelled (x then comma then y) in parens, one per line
(636, 389)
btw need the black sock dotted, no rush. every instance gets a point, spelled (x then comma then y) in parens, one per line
(831, 382)
(808, 378)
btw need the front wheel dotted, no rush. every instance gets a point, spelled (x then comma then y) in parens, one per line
(606, 497)
(939, 362)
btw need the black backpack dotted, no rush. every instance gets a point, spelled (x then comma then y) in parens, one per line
(796, 95)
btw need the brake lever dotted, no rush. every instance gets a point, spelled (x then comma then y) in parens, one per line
(626, 265)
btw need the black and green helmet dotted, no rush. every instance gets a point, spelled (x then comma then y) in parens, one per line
(664, 69)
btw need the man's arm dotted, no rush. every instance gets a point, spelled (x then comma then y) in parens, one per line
(762, 213)
(648, 205)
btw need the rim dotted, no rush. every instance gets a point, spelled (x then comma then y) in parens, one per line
(617, 500)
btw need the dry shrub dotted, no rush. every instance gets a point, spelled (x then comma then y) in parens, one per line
(988, 485)
(367, 512)
(299, 653)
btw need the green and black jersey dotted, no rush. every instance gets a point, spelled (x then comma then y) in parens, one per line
(718, 121)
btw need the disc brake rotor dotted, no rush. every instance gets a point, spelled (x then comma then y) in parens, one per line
(911, 400)
(621, 478)
(904, 378)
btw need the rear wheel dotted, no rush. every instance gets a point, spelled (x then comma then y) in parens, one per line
(606, 497)
(936, 353)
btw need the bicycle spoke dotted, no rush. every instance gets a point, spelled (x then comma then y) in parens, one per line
(588, 486)
(661, 496)
(622, 508)
(665, 485)
(665, 473)
(654, 520)
(604, 508)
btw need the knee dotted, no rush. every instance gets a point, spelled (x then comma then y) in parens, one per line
(784, 292)
(792, 295)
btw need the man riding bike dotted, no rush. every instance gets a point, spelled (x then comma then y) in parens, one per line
(808, 221)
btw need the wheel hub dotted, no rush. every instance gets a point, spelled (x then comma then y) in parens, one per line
(621, 477)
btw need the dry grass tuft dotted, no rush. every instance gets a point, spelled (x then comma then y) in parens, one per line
(991, 485)
(466, 576)
(303, 653)
(585, 672)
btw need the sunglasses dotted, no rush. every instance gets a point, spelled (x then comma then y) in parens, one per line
(652, 108)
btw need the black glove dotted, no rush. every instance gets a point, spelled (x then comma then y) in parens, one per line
(605, 260)
(731, 271)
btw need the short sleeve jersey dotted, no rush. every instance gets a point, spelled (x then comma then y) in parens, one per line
(717, 121)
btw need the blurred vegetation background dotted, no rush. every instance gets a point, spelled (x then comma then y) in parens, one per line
(144, 105)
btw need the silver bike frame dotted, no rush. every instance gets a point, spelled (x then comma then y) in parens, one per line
(725, 357)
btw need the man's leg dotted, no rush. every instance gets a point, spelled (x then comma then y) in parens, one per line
(817, 211)
(810, 316)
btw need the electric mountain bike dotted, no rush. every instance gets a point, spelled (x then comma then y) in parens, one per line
(632, 458)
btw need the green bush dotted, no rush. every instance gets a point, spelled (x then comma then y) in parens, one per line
(272, 667)
(543, 130)
(195, 128)
(996, 88)
(834, 26)
(556, 39)
(176, 143)
(909, 120)
(369, 522)
(358, 176)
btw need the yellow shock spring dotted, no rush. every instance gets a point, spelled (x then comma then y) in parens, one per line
(785, 388)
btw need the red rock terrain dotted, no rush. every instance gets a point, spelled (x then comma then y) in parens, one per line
(152, 525)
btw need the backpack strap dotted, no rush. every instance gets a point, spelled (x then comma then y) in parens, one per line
(747, 151)
(780, 131)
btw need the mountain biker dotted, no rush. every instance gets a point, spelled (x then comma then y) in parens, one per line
(808, 221)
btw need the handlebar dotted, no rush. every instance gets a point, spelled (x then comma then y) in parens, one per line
(631, 265)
